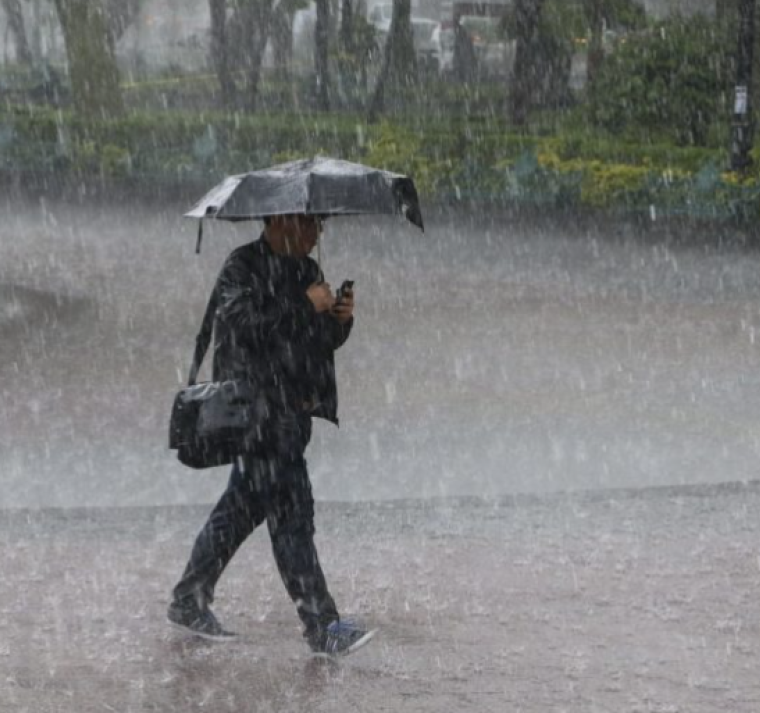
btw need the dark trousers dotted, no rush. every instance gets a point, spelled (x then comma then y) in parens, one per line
(275, 487)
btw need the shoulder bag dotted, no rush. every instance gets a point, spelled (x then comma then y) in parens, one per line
(212, 422)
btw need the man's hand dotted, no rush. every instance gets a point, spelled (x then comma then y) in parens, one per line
(343, 310)
(321, 296)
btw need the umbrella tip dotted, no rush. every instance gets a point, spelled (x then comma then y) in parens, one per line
(414, 216)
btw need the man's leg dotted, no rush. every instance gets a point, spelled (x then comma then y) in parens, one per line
(291, 526)
(238, 512)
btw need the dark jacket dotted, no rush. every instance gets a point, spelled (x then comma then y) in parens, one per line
(267, 332)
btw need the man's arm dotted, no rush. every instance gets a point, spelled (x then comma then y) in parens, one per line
(250, 308)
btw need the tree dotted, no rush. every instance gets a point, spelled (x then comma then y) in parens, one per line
(525, 74)
(282, 40)
(220, 51)
(465, 62)
(121, 14)
(562, 22)
(347, 26)
(604, 14)
(322, 54)
(399, 70)
(240, 30)
(723, 10)
(93, 72)
(596, 20)
(670, 81)
(357, 47)
(347, 55)
(282, 34)
(254, 21)
(15, 18)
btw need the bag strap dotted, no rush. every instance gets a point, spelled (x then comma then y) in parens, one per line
(204, 337)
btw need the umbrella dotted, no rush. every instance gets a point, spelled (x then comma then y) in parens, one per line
(318, 186)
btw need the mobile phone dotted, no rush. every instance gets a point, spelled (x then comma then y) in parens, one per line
(345, 287)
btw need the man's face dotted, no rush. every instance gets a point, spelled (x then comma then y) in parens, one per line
(301, 233)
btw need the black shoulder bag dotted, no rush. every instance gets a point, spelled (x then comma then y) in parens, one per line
(213, 422)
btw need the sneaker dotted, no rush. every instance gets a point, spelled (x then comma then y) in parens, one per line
(343, 637)
(197, 621)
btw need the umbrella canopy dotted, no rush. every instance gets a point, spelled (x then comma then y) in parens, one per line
(318, 186)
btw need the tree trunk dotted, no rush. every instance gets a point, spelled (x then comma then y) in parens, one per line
(219, 51)
(322, 54)
(334, 22)
(525, 73)
(256, 20)
(282, 41)
(465, 62)
(347, 27)
(121, 14)
(93, 72)
(595, 15)
(15, 19)
(348, 64)
(399, 69)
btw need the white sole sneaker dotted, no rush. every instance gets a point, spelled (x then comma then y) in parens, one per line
(360, 643)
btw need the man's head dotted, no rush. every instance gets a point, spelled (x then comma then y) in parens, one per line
(294, 235)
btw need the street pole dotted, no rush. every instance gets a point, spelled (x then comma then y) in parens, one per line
(742, 130)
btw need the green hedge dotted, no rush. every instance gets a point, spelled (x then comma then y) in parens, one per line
(449, 159)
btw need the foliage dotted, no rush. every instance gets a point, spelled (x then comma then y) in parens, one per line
(628, 14)
(601, 184)
(93, 71)
(449, 158)
(399, 149)
(358, 48)
(670, 79)
(564, 20)
(567, 21)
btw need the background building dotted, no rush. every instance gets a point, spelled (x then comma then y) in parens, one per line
(662, 8)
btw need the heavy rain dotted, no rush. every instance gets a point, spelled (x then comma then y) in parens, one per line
(542, 494)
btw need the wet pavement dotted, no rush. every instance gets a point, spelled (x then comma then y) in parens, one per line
(618, 601)
(493, 357)
(492, 354)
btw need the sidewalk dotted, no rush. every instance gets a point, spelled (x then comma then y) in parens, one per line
(639, 601)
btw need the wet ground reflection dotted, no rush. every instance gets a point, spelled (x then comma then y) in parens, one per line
(634, 601)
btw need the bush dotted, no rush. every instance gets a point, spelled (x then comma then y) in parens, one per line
(399, 149)
(454, 158)
(670, 80)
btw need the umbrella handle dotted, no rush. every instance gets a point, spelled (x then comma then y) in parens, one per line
(200, 237)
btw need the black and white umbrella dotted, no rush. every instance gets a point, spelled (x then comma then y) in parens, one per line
(319, 186)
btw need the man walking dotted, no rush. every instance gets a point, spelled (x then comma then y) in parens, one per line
(277, 326)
